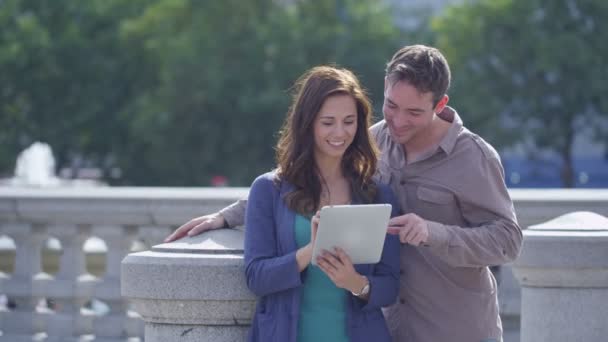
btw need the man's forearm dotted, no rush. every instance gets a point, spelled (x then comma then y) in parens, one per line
(234, 214)
(496, 243)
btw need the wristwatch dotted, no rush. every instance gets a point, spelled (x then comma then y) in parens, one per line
(364, 291)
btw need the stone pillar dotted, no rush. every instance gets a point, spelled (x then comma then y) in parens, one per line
(563, 271)
(23, 322)
(193, 289)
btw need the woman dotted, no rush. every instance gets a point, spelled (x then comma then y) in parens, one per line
(325, 157)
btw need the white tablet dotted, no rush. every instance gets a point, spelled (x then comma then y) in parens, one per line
(359, 230)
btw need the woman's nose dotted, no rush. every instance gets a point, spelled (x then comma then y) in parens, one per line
(339, 129)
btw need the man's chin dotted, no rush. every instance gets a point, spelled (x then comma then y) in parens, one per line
(400, 139)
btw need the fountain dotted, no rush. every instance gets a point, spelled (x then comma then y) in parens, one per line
(36, 168)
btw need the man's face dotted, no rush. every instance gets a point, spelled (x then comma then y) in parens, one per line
(407, 112)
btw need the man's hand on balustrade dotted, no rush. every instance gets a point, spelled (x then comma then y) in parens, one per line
(197, 225)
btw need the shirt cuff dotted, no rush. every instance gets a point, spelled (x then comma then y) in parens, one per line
(232, 217)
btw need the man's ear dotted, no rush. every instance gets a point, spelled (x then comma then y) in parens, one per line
(441, 104)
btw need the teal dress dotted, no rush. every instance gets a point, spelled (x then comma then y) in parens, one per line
(323, 305)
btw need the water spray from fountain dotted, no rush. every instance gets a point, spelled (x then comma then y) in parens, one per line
(36, 168)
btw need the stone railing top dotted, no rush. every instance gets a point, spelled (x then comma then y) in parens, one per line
(558, 195)
(219, 241)
(112, 205)
(576, 221)
(143, 193)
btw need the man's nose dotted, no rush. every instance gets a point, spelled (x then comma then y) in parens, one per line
(399, 120)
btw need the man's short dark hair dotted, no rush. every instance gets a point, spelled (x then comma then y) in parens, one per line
(423, 67)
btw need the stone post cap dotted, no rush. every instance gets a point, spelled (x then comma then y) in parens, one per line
(568, 251)
(206, 266)
(217, 241)
(194, 280)
(573, 222)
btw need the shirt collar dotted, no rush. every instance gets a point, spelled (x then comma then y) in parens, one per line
(449, 140)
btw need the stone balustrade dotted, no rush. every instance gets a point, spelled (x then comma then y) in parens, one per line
(57, 307)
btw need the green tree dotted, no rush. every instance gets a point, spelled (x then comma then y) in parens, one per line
(529, 70)
(65, 77)
(172, 91)
(224, 73)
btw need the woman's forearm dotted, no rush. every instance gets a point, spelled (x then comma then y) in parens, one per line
(304, 256)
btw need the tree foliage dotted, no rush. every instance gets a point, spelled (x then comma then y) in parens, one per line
(225, 69)
(64, 77)
(529, 71)
(172, 91)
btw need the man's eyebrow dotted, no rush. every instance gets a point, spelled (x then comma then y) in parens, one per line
(391, 101)
(417, 110)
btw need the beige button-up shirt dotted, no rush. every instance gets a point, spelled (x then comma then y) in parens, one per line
(447, 291)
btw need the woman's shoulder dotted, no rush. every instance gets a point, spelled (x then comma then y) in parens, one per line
(266, 183)
(268, 177)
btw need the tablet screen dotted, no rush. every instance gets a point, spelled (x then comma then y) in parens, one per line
(360, 230)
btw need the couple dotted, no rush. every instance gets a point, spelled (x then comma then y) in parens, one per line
(456, 217)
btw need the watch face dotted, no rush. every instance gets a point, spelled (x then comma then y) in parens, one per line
(365, 290)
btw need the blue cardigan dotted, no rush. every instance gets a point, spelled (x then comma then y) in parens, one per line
(272, 271)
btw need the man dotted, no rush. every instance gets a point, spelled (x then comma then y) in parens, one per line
(459, 217)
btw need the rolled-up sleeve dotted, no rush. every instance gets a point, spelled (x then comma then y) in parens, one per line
(493, 236)
(234, 214)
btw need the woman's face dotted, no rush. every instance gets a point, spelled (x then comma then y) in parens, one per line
(335, 126)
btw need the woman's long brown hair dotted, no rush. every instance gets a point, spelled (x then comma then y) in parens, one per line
(295, 148)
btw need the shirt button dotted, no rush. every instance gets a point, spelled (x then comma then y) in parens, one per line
(402, 301)
(402, 182)
(401, 272)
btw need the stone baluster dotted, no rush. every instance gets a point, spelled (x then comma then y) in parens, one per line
(28, 241)
(191, 290)
(22, 322)
(563, 271)
(114, 324)
(67, 289)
